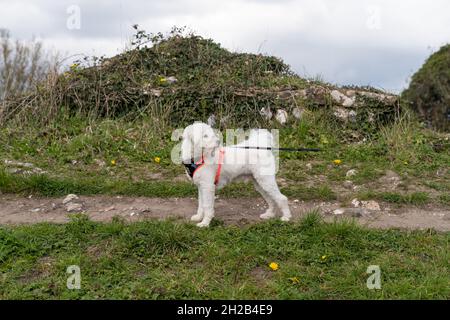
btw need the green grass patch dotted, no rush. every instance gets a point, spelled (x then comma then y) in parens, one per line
(415, 198)
(170, 260)
(444, 198)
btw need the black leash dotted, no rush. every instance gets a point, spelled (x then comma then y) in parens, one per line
(280, 149)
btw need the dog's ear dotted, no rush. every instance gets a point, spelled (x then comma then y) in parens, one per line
(186, 145)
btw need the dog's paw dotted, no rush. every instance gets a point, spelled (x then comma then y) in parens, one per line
(197, 217)
(285, 218)
(267, 215)
(203, 224)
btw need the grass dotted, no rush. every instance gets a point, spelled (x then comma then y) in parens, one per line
(415, 198)
(168, 260)
(77, 152)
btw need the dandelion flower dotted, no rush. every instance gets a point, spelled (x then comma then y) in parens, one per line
(324, 257)
(157, 159)
(113, 162)
(274, 266)
(337, 162)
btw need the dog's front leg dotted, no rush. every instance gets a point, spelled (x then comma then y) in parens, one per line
(207, 195)
(199, 216)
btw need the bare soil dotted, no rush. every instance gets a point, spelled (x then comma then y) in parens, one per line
(237, 211)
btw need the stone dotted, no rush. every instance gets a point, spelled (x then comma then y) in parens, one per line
(309, 166)
(266, 113)
(371, 205)
(211, 120)
(349, 102)
(338, 211)
(74, 207)
(340, 98)
(70, 198)
(297, 113)
(356, 203)
(281, 116)
(317, 94)
(351, 173)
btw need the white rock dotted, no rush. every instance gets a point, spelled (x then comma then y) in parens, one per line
(297, 113)
(71, 207)
(351, 173)
(352, 116)
(70, 198)
(338, 96)
(211, 121)
(371, 205)
(356, 203)
(338, 211)
(266, 113)
(348, 102)
(281, 116)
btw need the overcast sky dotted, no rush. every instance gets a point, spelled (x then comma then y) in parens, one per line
(365, 42)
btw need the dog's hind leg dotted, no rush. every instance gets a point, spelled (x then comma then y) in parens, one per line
(199, 216)
(270, 212)
(270, 187)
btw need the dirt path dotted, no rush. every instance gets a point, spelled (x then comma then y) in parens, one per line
(19, 210)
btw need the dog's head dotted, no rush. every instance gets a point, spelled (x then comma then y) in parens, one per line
(198, 138)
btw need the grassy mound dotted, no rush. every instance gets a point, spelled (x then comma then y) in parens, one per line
(429, 91)
(180, 77)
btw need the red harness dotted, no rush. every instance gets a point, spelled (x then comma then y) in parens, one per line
(219, 167)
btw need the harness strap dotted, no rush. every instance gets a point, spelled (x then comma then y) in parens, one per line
(192, 167)
(219, 167)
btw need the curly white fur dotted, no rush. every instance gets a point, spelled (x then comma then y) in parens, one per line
(199, 139)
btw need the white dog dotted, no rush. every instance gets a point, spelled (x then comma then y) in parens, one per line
(210, 165)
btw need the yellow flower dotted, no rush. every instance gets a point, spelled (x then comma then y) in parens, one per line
(162, 80)
(337, 162)
(405, 163)
(157, 159)
(274, 266)
(294, 280)
(113, 162)
(324, 257)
